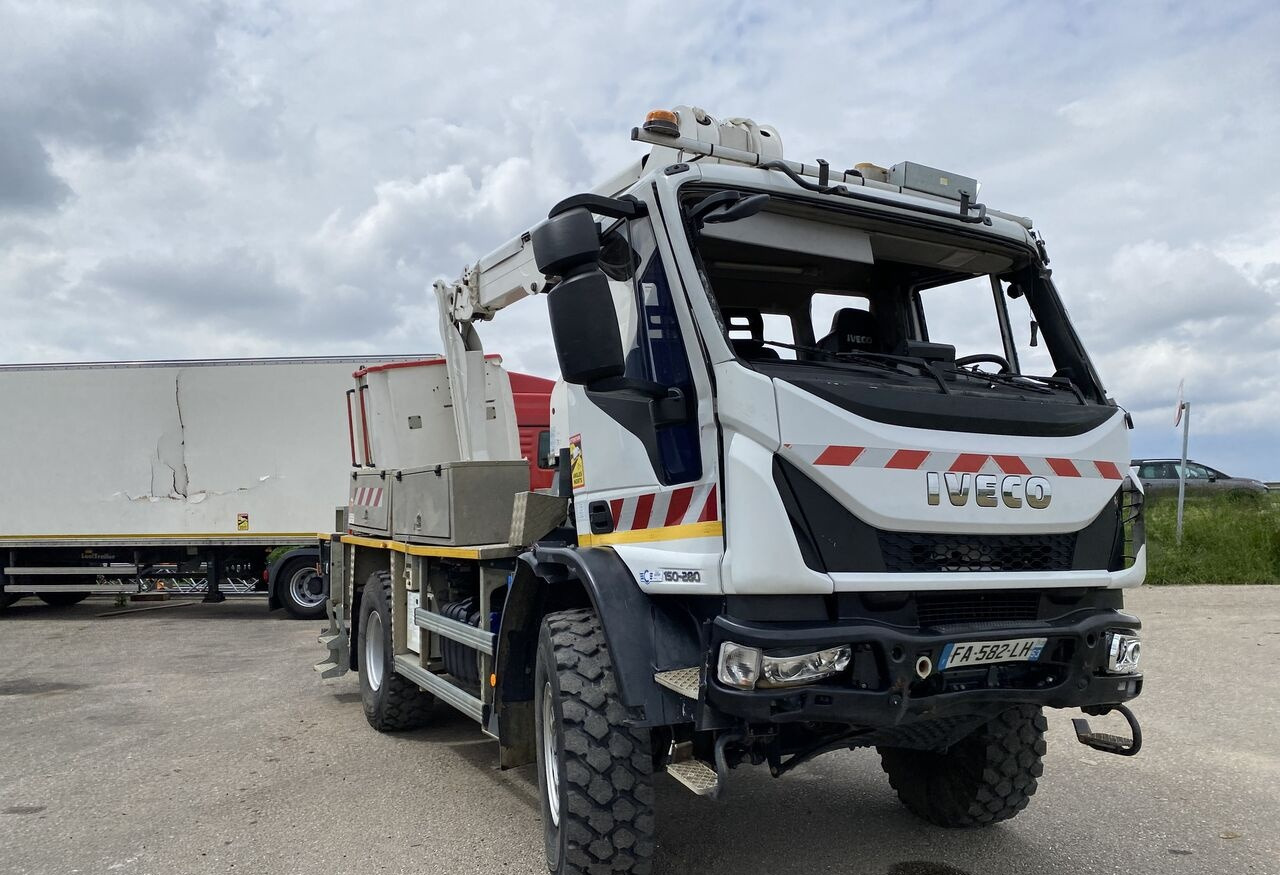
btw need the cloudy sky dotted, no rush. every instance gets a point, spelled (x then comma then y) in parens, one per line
(267, 178)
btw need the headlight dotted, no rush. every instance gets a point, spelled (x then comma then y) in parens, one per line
(1123, 653)
(745, 667)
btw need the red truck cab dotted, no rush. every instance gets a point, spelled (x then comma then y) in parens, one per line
(533, 420)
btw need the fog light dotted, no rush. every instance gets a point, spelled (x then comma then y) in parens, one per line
(1123, 653)
(739, 665)
(803, 668)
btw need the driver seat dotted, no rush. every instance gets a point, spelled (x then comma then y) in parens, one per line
(852, 330)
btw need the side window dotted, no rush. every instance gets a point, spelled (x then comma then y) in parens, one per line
(1031, 359)
(1166, 471)
(963, 314)
(544, 449)
(1197, 472)
(1149, 472)
(750, 331)
(778, 327)
(651, 338)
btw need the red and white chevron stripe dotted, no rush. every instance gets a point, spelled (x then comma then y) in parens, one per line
(367, 496)
(836, 456)
(674, 507)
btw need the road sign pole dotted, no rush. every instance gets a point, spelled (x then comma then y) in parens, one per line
(1182, 471)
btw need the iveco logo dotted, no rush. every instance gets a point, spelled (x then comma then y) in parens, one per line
(988, 490)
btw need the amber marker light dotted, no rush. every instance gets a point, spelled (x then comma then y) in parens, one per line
(662, 121)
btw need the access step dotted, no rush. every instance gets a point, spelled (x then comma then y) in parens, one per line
(329, 669)
(1107, 742)
(684, 681)
(696, 775)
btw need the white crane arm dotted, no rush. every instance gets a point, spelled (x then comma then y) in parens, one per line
(498, 280)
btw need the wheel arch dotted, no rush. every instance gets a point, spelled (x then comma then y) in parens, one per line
(636, 631)
(282, 561)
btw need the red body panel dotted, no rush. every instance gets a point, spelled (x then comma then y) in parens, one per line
(533, 417)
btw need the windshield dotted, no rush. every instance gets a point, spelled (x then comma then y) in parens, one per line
(799, 287)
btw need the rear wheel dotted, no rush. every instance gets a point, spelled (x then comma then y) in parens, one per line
(391, 702)
(301, 589)
(594, 771)
(983, 779)
(62, 599)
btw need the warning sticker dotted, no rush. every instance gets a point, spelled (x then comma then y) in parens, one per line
(576, 470)
(242, 522)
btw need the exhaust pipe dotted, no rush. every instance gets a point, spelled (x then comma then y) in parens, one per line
(924, 667)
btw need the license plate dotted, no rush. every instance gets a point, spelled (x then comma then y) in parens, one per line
(985, 652)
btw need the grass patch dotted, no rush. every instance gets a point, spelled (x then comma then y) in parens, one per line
(1225, 539)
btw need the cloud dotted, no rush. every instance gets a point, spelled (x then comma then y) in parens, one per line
(251, 177)
(27, 181)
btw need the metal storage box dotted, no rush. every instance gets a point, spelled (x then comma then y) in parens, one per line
(457, 503)
(931, 180)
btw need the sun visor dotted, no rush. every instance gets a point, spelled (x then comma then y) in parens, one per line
(795, 235)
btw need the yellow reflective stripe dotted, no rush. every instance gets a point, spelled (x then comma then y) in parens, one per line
(713, 529)
(292, 536)
(413, 549)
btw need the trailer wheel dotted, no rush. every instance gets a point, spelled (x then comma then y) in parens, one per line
(594, 771)
(62, 599)
(301, 589)
(984, 779)
(391, 702)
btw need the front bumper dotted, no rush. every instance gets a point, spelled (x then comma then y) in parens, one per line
(882, 689)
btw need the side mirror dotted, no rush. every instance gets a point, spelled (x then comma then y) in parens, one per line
(583, 319)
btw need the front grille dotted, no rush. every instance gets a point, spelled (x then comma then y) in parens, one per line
(946, 608)
(914, 551)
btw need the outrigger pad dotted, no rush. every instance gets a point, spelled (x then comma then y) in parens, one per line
(1106, 742)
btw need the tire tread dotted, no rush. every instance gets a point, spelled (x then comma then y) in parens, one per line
(986, 778)
(608, 822)
(405, 706)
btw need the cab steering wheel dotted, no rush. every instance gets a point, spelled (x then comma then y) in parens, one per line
(990, 357)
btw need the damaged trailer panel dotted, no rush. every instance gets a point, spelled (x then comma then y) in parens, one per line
(177, 468)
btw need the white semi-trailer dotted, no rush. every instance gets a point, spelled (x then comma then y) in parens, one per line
(123, 476)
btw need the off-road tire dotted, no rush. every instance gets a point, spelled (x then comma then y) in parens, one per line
(398, 703)
(62, 599)
(284, 590)
(605, 768)
(985, 778)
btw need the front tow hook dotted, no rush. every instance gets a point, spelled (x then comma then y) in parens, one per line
(1105, 742)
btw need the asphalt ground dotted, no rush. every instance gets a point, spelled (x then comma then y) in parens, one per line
(197, 739)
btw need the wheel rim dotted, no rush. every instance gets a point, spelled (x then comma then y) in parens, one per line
(306, 588)
(550, 764)
(373, 650)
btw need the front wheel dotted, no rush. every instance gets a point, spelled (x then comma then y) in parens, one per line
(595, 773)
(987, 777)
(301, 590)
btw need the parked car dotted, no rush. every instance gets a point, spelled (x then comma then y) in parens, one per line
(1162, 474)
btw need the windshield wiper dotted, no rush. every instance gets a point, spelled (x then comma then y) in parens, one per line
(879, 360)
(1022, 381)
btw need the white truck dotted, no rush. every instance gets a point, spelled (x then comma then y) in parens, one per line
(185, 475)
(788, 518)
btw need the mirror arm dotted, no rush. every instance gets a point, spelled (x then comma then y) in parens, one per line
(625, 207)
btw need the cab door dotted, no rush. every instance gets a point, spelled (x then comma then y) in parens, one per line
(643, 449)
